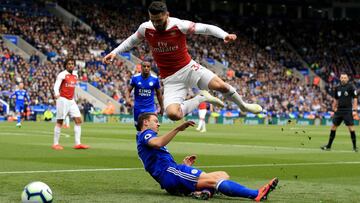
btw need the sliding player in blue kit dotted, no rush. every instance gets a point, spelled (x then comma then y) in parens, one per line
(183, 179)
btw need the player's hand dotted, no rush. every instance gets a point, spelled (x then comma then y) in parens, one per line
(161, 112)
(189, 160)
(57, 96)
(109, 58)
(230, 38)
(185, 125)
(130, 102)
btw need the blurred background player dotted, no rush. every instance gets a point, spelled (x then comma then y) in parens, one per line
(166, 37)
(20, 96)
(145, 85)
(183, 179)
(64, 89)
(344, 105)
(202, 114)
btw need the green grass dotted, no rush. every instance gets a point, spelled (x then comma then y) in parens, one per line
(252, 155)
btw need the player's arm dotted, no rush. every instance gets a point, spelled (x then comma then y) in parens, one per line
(355, 104)
(126, 45)
(127, 95)
(57, 85)
(158, 142)
(13, 95)
(27, 97)
(206, 29)
(160, 99)
(335, 101)
(355, 101)
(189, 160)
(334, 105)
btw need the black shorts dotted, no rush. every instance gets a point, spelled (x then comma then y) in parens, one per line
(345, 116)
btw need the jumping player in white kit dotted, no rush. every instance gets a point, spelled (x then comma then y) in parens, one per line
(166, 37)
(64, 89)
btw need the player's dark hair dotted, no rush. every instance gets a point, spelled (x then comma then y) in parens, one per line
(157, 7)
(343, 73)
(67, 61)
(142, 117)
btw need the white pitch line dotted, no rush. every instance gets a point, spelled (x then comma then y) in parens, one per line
(39, 133)
(200, 167)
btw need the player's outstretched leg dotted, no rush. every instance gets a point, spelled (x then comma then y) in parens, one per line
(178, 111)
(230, 93)
(265, 190)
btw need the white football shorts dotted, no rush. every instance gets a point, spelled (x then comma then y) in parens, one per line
(202, 113)
(65, 107)
(192, 75)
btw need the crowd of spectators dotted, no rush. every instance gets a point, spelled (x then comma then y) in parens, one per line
(259, 64)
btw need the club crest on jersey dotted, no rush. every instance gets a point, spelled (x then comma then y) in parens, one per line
(151, 83)
(339, 93)
(346, 93)
(139, 83)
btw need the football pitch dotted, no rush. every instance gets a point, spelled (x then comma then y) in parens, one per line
(111, 172)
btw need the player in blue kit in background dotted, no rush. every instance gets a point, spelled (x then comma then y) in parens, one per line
(183, 179)
(145, 85)
(20, 96)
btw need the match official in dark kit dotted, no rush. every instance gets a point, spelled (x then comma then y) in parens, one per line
(344, 106)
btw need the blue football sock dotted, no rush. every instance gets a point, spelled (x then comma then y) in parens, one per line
(19, 119)
(233, 189)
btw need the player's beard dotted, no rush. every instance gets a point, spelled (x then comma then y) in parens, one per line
(161, 27)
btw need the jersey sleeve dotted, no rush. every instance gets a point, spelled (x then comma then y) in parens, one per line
(185, 26)
(58, 82)
(132, 81)
(157, 83)
(146, 136)
(336, 96)
(206, 29)
(354, 91)
(27, 96)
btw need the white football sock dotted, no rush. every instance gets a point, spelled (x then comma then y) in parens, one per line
(77, 130)
(201, 124)
(67, 121)
(233, 96)
(191, 104)
(57, 131)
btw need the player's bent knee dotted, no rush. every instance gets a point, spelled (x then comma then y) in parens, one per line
(174, 112)
(218, 85)
(175, 116)
(224, 175)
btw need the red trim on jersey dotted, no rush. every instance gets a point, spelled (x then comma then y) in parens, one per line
(138, 34)
(191, 29)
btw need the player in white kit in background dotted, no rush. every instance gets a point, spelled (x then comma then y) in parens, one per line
(166, 37)
(64, 89)
(202, 115)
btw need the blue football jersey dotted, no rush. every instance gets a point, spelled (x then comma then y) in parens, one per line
(20, 96)
(155, 160)
(144, 90)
